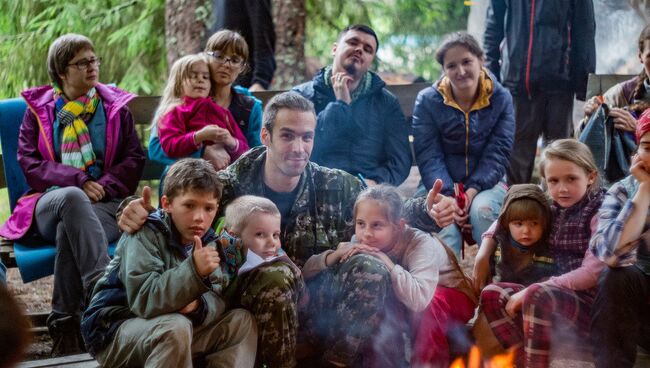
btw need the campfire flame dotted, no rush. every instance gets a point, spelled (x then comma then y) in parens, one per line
(474, 360)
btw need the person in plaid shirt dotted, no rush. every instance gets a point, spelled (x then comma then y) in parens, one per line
(621, 313)
(532, 319)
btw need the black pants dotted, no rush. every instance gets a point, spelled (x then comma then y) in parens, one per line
(621, 317)
(548, 114)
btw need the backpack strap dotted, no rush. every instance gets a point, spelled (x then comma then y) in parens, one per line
(466, 285)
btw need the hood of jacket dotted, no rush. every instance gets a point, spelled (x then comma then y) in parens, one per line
(525, 191)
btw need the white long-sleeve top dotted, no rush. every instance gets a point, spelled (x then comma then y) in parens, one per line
(418, 259)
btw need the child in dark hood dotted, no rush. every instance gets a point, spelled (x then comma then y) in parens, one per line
(522, 254)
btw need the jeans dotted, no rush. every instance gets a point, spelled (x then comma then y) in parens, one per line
(483, 212)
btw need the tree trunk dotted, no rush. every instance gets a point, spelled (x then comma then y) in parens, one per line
(186, 22)
(289, 22)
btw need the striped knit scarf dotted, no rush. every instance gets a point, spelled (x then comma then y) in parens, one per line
(76, 148)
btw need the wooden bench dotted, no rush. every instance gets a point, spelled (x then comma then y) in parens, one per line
(143, 109)
(70, 361)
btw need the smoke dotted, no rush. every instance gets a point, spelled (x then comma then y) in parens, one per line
(618, 25)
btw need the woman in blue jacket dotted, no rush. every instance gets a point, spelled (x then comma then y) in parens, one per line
(463, 128)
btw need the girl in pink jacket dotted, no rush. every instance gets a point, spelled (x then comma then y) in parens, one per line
(188, 120)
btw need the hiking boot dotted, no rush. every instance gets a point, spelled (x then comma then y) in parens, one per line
(66, 334)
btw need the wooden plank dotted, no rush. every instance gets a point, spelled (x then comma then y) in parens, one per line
(7, 253)
(79, 360)
(39, 331)
(152, 170)
(405, 93)
(38, 318)
(143, 108)
(598, 84)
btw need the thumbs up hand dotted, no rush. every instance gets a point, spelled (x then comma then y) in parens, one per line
(440, 207)
(135, 213)
(145, 201)
(206, 259)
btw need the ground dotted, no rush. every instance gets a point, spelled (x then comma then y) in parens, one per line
(35, 296)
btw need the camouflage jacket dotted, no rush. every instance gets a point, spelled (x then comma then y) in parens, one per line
(321, 216)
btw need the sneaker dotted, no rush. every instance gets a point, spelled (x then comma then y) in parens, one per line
(66, 335)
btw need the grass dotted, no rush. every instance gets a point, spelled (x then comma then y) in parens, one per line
(4, 205)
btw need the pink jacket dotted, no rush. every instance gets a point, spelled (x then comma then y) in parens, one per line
(176, 129)
(123, 158)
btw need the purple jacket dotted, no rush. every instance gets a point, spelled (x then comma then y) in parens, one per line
(123, 159)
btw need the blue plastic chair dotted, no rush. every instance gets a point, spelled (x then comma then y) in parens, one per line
(34, 261)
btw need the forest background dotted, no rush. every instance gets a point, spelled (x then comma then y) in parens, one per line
(138, 39)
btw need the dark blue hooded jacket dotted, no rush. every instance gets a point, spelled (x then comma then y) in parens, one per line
(368, 137)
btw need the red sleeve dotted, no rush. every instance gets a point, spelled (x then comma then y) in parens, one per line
(175, 139)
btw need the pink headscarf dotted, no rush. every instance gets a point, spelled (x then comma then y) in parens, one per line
(642, 125)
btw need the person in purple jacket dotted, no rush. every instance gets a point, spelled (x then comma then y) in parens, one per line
(81, 156)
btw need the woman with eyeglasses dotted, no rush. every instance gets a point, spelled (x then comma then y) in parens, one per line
(228, 54)
(81, 156)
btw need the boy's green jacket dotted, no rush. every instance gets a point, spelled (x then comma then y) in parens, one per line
(150, 275)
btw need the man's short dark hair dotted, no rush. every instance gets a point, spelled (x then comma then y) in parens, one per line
(193, 174)
(361, 28)
(286, 100)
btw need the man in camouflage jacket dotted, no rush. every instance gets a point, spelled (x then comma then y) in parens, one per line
(316, 205)
(321, 214)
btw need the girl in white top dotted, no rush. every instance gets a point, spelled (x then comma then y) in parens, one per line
(401, 263)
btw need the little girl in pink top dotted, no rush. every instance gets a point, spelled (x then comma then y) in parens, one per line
(188, 120)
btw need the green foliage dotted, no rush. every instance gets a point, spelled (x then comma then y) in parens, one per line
(409, 30)
(128, 36)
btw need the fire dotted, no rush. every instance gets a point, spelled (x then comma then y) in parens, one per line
(474, 360)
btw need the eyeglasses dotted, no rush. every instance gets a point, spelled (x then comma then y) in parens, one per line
(83, 64)
(222, 59)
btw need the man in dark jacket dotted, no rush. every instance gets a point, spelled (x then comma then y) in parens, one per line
(542, 51)
(361, 128)
(254, 20)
